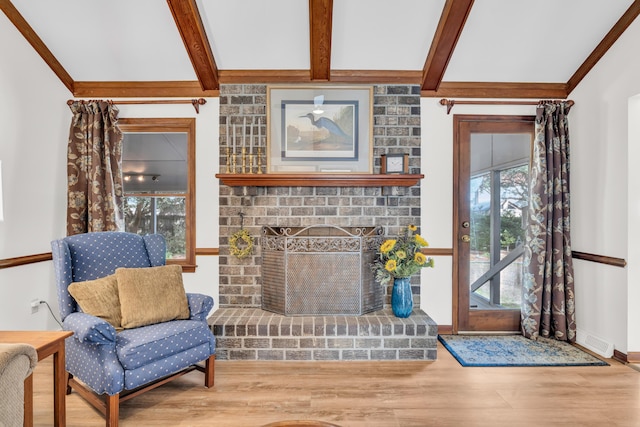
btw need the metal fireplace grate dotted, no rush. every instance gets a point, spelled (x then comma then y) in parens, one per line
(320, 270)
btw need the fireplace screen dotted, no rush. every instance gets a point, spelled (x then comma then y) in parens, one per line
(320, 270)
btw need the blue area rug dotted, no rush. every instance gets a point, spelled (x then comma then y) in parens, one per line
(515, 350)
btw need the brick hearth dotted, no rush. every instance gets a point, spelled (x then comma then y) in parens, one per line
(255, 334)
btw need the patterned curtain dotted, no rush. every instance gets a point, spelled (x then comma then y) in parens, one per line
(548, 303)
(94, 159)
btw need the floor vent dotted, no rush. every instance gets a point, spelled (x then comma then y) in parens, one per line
(595, 344)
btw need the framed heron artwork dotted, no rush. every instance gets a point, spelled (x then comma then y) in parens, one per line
(319, 129)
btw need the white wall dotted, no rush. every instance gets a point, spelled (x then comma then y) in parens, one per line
(633, 195)
(605, 195)
(34, 121)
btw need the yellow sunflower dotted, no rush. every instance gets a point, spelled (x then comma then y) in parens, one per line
(420, 258)
(387, 246)
(412, 227)
(390, 265)
(401, 254)
(421, 240)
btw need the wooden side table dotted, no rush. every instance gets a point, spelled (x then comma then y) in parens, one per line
(46, 343)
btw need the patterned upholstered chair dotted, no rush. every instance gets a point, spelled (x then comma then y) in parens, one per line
(119, 365)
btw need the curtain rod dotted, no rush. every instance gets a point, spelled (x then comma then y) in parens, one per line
(195, 102)
(450, 102)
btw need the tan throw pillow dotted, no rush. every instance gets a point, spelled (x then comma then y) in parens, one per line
(151, 295)
(99, 298)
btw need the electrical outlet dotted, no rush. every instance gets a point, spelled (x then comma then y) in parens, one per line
(35, 306)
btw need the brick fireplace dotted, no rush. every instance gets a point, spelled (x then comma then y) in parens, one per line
(244, 330)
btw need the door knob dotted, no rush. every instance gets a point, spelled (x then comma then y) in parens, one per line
(465, 238)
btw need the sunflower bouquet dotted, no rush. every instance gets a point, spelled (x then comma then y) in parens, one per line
(401, 257)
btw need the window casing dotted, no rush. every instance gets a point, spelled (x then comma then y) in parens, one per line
(159, 183)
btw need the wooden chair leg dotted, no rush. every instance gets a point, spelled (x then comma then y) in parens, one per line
(209, 371)
(69, 377)
(28, 402)
(112, 410)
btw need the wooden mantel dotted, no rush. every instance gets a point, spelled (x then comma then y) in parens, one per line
(319, 180)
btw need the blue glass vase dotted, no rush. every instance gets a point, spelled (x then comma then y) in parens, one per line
(401, 297)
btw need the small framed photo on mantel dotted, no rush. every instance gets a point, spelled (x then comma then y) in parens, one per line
(394, 163)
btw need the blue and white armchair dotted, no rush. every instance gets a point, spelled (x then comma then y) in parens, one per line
(102, 362)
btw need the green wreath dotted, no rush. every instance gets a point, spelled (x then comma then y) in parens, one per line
(243, 238)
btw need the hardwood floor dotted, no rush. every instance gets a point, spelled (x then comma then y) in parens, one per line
(372, 394)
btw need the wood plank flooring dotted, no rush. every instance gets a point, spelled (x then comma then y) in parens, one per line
(372, 394)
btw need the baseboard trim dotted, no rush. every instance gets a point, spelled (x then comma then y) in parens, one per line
(633, 357)
(445, 329)
(619, 356)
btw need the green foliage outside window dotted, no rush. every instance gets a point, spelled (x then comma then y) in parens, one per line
(511, 231)
(170, 220)
(513, 197)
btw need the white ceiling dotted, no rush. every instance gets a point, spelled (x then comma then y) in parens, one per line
(257, 34)
(502, 41)
(530, 41)
(383, 35)
(131, 40)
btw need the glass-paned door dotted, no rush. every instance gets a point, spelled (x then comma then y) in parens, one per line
(493, 159)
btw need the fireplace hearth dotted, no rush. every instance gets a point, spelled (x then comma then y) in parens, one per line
(255, 334)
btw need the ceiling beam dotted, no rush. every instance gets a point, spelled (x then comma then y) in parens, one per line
(185, 14)
(320, 23)
(264, 76)
(162, 89)
(498, 90)
(452, 20)
(377, 76)
(625, 20)
(36, 42)
(192, 89)
(336, 76)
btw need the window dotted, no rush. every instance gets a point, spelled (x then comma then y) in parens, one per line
(158, 165)
(498, 201)
(505, 230)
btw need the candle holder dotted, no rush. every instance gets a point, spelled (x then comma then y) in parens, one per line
(251, 157)
(259, 160)
(233, 163)
(244, 159)
(228, 163)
